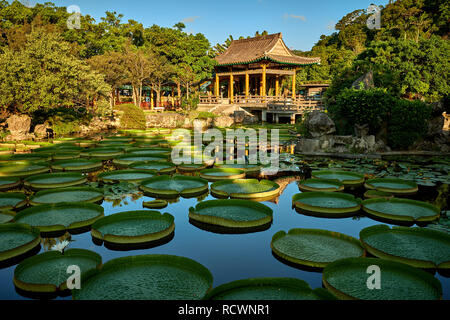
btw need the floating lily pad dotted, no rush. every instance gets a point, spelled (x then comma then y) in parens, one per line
(148, 277)
(66, 155)
(155, 166)
(375, 194)
(9, 183)
(245, 189)
(12, 200)
(47, 272)
(133, 227)
(74, 194)
(401, 210)
(315, 248)
(102, 153)
(348, 279)
(419, 247)
(22, 169)
(222, 174)
(17, 239)
(249, 169)
(150, 151)
(327, 204)
(232, 213)
(83, 165)
(31, 157)
(55, 180)
(263, 289)
(166, 186)
(60, 217)
(6, 216)
(132, 176)
(128, 159)
(312, 185)
(155, 204)
(186, 168)
(393, 186)
(349, 179)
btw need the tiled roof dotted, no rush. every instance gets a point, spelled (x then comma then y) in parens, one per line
(252, 50)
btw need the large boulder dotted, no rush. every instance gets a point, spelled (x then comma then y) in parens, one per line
(319, 124)
(40, 131)
(19, 127)
(223, 121)
(364, 82)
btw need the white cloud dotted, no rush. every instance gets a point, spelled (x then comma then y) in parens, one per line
(190, 19)
(293, 16)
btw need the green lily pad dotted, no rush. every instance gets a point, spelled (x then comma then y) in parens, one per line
(102, 153)
(312, 185)
(75, 194)
(17, 239)
(9, 183)
(7, 216)
(132, 176)
(155, 166)
(245, 189)
(187, 168)
(128, 159)
(83, 165)
(148, 277)
(166, 186)
(222, 174)
(327, 204)
(348, 279)
(393, 186)
(55, 180)
(133, 227)
(22, 169)
(263, 289)
(30, 157)
(232, 213)
(375, 194)
(150, 151)
(61, 216)
(12, 200)
(248, 168)
(315, 248)
(401, 210)
(349, 179)
(155, 204)
(47, 272)
(419, 247)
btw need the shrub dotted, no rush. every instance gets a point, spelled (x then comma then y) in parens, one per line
(132, 117)
(204, 115)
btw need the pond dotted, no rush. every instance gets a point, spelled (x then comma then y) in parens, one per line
(229, 257)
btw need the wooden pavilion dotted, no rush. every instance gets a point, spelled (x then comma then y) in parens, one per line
(249, 74)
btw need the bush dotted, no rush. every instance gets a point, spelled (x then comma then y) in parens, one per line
(132, 117)
(406, 121)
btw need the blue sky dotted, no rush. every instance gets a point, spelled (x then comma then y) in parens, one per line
(302, 22)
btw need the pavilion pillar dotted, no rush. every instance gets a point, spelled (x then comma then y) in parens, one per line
(216, 86)
(264, 81)
(231, 89)
(277, 86)
(247, 83)
(151, 99)
(294, 84)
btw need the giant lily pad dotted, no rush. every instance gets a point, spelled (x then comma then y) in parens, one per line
(6, 216)
(149, 151)
(348, 279)
(8, 183)
(148, 277)
(128, 159)
(419, 247)
(393, 186)
(403, 210)
(245, 189)
(250, 169)
(12, 200)
(73, 194)
(166, 186)
(47, 272)
(17, 239)
(232, 213)
(83, 165)
(191, 167)
(102, 153)
(22, 169)
(349, 179)
(55, 180)
(131, 176)
(315, 248)
(327, 204)
(312, 185)
(60, 217)
(133, 227)
(161, 167)
(263, 289)
(222, 174)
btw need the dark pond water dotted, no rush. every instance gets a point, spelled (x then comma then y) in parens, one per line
(229, 257)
